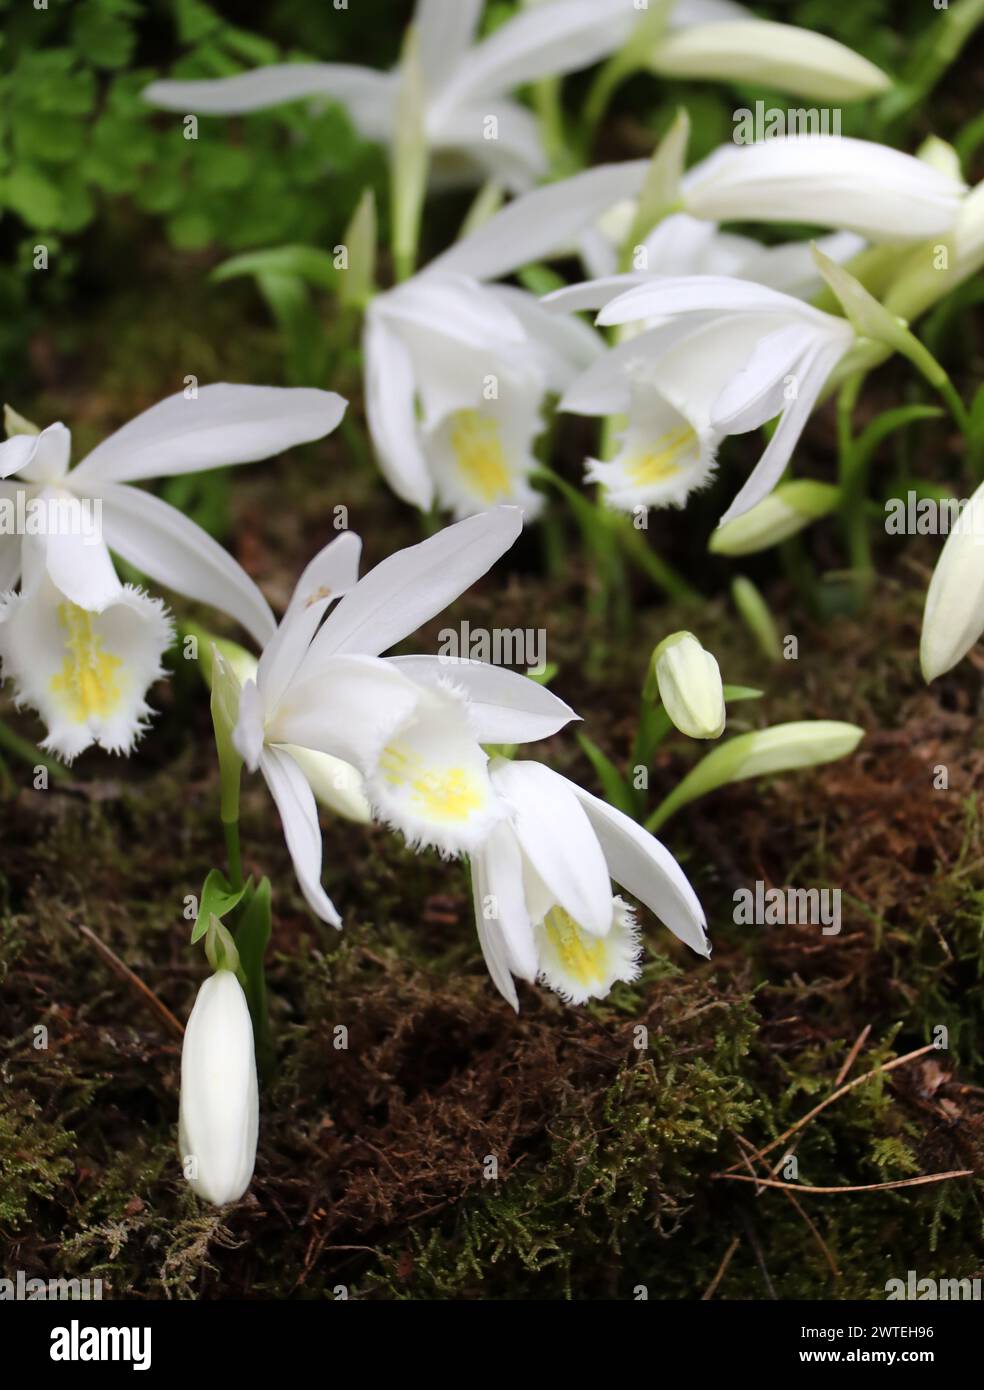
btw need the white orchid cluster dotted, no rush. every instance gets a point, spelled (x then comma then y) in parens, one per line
(704, 333)
(699, 334)
(321, 714)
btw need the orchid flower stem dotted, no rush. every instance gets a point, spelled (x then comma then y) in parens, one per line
(800, 571)
(234, 856)
(652, 727)
(952, 398)
(26, 752)
(610, 76)
(550, 114)
(852, 464)
(662, 574)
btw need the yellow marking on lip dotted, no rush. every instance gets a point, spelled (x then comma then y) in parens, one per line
(477, 445)
(87, 683)
(581, 956)
(440, 794)
(659, 463)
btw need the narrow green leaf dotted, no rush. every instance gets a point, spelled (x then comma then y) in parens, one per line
(307, 263)
(218, 898)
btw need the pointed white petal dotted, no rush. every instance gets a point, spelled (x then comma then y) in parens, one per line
(490, 937)
(410, 587)
(369, 97)
(445, 31)
(811, 375)
(755, 393)
(85, 673)
(557, 838)
(79, 565)
(391, 413)
(219, 1116)
(543, 223)
(702, 294)
(332, 572)
(299, 818)
(832, 181)
(547, 40)
(171, 549)
(645, 868)
(223, 424)
(506, 707)
(504, 870)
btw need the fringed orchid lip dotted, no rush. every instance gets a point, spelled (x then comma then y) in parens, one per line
(579, 966)
(85, 672)
(431, 778)
(542, 888)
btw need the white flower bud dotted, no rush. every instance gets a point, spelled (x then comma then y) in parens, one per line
(219, 1114)
(689, 682)
(792, 506)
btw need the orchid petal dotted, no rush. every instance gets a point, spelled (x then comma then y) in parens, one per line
(391, 415)
(299, 817)
(557, 838)
(223, 424)
(173, 550)
(368, 96)
(506, 706)
(644, 867)
(410, 587)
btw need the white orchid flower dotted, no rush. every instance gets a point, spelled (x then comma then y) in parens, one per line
(456, 378)
(472, 128)
(542, 888)
(80, 646)
(880, 194)
(412, 726)
(219, 1114)
(726, 356)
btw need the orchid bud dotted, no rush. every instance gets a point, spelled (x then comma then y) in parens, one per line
(785, 511)
(219, 1114)
(689, 682)
(15, 423)
(782, 56)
